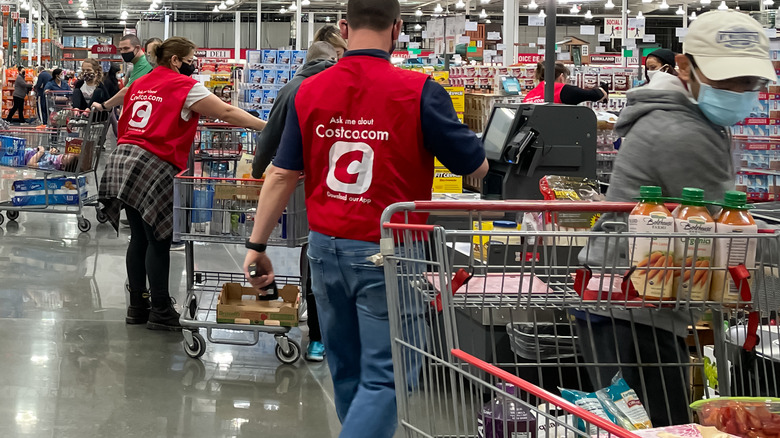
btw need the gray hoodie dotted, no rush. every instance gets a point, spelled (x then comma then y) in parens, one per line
(667, 142)
(271, 135)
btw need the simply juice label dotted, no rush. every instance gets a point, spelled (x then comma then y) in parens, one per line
(693, 258)
(652, 257)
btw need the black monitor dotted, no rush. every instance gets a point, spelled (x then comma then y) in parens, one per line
(539, 140)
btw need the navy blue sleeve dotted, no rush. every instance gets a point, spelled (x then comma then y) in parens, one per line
(444, 135)
(290, 153)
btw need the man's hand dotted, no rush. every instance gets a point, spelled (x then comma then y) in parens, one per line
(99, 106)
(265, 271)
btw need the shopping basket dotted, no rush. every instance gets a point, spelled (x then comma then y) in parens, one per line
(522, 302)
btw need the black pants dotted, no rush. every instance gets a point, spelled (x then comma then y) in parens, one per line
(149, 258)
(662, 389)
(18, 106)
(315, 335)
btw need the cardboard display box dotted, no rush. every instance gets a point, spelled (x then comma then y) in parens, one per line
(239, 305)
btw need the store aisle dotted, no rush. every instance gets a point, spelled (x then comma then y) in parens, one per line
(70, 367)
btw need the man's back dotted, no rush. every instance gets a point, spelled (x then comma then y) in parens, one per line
(363, 143)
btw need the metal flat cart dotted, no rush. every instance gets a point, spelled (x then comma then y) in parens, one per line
(213, 206)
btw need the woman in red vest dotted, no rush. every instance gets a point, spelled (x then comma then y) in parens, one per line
(564, 93)
(156, 131)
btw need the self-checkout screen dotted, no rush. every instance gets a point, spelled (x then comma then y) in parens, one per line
(497, 131)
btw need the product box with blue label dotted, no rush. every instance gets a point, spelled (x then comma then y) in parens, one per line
(61, 191)
(269, 95)
(283, 75)
(12, 151)
(299, 57)
(254, 96)
(269, 56)
(284, 57)
(265, 113)
(255, 76)
(269, 77)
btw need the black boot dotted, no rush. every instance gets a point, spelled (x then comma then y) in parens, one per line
(164, 317)
(138, 310)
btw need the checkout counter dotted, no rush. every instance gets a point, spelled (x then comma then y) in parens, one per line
(523, 143)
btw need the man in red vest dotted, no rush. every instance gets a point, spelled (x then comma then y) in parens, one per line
(365, 134)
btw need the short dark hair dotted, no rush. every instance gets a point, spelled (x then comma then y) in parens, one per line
(132, 38)
(56, 72)
(376, 15)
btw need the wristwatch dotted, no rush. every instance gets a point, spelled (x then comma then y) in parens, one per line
(259, 247)
(103, 105)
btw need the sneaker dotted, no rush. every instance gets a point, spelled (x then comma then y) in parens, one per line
(177, 246)
(315, 352)
(164, 318)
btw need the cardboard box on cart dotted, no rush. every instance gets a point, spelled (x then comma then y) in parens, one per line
(239, 305)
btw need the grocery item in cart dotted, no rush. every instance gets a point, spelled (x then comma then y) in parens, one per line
(52, 191)
(746, 417)
(240, 305)
(652, 256)
(735, 220)
(571, 188)
(622, 402)
(682, 431)
(693, 255)
(590, 402)
(504, 418)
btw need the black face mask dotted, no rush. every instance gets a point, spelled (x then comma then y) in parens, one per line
(129, 56)
(186, 69)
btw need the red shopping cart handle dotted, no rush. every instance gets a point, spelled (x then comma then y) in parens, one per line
(548, 397)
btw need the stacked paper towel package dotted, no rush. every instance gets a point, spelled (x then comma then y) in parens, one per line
(49, 191)
(267, 72)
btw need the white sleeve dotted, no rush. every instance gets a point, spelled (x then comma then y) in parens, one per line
(196, 94)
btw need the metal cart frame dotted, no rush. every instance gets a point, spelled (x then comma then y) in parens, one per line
(455, 291)
(232, 200)
(91, 128)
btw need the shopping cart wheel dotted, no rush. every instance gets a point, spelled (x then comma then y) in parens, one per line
(100, 216)
(197, 348)
(84, 225)
(293, 353)
(12, 215)
(2, 219)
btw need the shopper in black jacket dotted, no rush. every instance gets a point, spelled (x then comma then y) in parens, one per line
(91, 87)
(320, 56)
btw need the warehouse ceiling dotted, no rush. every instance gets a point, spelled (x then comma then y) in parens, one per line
(105, 14)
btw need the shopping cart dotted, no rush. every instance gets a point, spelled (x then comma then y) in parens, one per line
(215, 207)
(58, 105)
(468, 305)
(62, 158)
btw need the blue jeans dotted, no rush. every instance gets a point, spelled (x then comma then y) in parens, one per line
(352, 306)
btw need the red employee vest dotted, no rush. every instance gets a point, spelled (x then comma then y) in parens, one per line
(363, 145)
(152, 119)
(537, 94)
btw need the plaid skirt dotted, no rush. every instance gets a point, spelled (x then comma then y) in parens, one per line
(137, 178)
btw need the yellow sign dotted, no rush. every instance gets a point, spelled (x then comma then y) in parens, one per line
(442, 77)
(445, 181)
(458, 96)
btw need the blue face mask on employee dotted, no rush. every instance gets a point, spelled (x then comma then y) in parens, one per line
(724, 107)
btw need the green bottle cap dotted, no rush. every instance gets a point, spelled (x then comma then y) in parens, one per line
(692, 196)
(735, 199)
(650, 192)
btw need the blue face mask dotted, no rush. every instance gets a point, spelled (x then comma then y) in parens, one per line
(723, 107)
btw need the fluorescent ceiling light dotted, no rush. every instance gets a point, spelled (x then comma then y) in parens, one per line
(723, 6)
(532, 6)
(438, 9)
(588, 15)
(293, 7)
(483, 14)
(542, 14)
(609, 5)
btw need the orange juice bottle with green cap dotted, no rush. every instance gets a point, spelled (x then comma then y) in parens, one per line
(652, 257)
(734, 220)
(693, 255)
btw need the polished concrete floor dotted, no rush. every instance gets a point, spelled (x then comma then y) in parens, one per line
(70, 367)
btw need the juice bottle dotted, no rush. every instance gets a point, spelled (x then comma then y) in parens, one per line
(694, 254)
(652, 257)
(734, 219)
